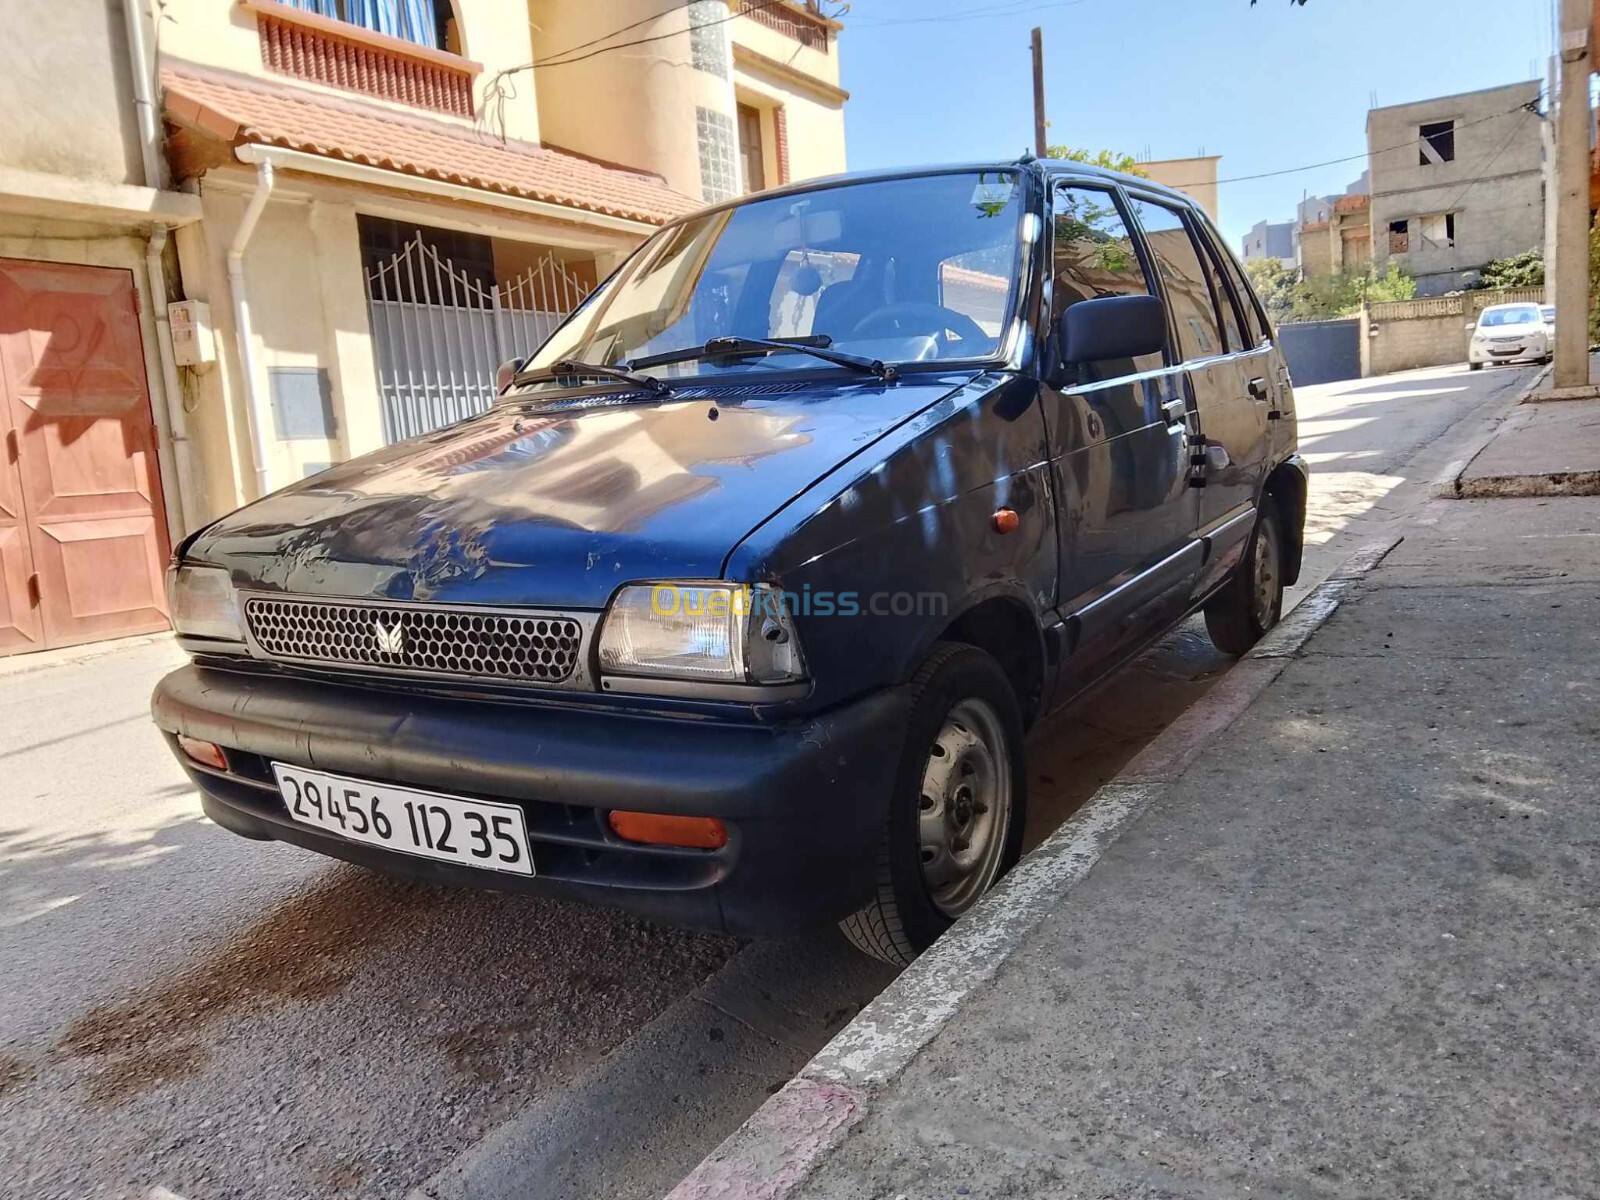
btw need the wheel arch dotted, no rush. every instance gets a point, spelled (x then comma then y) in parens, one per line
(1006, 627)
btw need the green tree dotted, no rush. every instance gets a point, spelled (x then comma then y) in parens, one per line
(1519, 271)
(1594, 284)
(1393, 284)
(1326, 297)
(1125, 163)
(1275, 284)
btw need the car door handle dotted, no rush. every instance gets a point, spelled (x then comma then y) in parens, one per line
(1258, 389)
(1175, 411)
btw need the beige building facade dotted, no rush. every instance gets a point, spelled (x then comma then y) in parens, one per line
(1194, 177)
(355, 208)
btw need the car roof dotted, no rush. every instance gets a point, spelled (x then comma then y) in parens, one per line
(1051, 168)
(1522, 304)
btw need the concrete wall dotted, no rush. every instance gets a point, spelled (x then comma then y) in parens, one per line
(67, 83)
(1427, 333)
(1318, 256)
(1194, 177)
(1494, 185)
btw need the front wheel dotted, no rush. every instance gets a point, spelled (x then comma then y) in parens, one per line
(957, 814)
(1251, 602)
(1475, 366)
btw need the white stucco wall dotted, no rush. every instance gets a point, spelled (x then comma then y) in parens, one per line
(66, 81)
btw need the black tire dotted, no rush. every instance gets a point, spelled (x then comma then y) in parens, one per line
(906, 916)
(1240, 614)
(1475, 366)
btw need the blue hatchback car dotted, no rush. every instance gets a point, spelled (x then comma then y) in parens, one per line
(734, 610)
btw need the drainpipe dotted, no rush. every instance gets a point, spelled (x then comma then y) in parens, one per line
(173, 438)
(254, 416)
(144, 105)
(176, 419)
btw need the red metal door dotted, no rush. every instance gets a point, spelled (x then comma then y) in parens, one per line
(19, 615)
(87, 511)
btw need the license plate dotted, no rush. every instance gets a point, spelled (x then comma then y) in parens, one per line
(470, 833)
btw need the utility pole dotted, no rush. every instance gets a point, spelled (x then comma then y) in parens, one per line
(1039, 143)
(1573, 122)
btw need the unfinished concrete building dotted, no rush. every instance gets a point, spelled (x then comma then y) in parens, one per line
(1456, 183)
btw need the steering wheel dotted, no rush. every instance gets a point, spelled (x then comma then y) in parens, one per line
(920, 320)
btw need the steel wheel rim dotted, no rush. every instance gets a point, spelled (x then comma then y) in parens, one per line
(964, 807)
(1266, 575)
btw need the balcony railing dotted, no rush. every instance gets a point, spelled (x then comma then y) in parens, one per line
(806, 27)
(322, 50)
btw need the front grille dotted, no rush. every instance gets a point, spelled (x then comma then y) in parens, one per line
(421, 638)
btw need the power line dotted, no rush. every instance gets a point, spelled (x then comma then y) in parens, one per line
(497, 89)
(1009, 8)
(1489, 166)
(559, 60)
(1333, 162)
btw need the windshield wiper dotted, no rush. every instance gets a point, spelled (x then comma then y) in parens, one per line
(568, 367)
(742, 347)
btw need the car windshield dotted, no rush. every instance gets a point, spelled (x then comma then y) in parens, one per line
(1548, 312)
(1509, 316)
(920, 269)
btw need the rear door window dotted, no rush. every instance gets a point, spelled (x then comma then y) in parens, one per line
(1252, 323)
(1184, 278)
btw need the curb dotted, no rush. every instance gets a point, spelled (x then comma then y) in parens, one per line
(1518, 487)
(44, 660)
(1447, 484)
(778, 1147)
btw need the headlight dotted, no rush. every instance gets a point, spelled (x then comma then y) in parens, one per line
(203, 604)
(712, 632)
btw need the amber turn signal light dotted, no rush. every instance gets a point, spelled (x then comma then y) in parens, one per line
(658, 829)
(206, 753)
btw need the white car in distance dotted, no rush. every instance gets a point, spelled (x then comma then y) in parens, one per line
(1511, 333)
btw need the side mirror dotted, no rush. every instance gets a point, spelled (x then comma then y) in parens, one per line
(1111, 327)
(506, 372)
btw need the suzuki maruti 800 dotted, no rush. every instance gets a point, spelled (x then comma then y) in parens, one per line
(734, 609)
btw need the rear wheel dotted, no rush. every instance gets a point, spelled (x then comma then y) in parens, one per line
(957, 813)
(1251, 603)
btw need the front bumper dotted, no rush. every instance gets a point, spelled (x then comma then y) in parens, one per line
(1488, 352)
(804, 803)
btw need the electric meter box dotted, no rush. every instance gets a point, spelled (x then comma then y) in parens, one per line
(193, 343)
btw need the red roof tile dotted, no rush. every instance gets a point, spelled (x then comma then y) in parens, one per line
(237, 113)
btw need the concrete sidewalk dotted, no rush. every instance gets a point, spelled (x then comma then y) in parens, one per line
(1349, 950)
(1548, 446)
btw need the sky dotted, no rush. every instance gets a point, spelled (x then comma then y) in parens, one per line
(1269, 87)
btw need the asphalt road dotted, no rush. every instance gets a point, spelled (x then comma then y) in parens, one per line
(186, 1013)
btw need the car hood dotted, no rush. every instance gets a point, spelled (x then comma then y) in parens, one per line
(557, 502)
